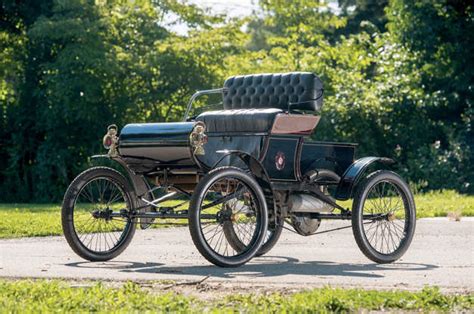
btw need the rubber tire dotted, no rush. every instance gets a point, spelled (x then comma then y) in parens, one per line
(267, 245)
(357, 211)
(270, 243)
(194, 211)
(68, 206)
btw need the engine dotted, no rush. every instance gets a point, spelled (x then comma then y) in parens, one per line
(305, 203)
(300, 205)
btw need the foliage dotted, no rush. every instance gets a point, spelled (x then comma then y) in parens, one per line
(59, 296)
(359, 12)
(90, 65)
(435, 33)
(377, 92)
(396, 78)
(30, 220)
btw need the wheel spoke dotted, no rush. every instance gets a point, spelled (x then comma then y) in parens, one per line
(386, 235)
(96, 231)
(234, 205)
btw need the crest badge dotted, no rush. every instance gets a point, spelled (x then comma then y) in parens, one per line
(280, 160)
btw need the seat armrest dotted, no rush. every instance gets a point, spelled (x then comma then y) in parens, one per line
(200, 93)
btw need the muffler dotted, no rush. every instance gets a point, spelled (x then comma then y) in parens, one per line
(305, 203)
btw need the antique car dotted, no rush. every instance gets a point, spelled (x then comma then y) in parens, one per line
(236, 176)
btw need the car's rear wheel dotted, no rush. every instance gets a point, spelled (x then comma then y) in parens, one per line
(383, 217)
(228, 198)
(271, 238)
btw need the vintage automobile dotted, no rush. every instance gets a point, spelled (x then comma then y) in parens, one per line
(237, 175)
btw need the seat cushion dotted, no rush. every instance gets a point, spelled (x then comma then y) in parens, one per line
(239, 120)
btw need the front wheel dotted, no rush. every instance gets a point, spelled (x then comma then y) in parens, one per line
(92, 211)
(228, 199)
(383, 217)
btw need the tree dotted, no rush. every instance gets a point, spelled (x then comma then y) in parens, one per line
(436, 33)
(70, 68)
(88, 65)
(358, 12)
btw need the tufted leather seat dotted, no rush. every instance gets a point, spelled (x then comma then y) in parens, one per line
(251, 102)
(273, 91)
(239, 120)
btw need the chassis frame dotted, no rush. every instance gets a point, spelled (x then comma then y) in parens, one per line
(345, 189)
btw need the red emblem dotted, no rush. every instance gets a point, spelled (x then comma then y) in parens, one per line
(280, 160)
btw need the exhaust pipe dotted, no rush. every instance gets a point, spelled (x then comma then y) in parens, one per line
(305, 203)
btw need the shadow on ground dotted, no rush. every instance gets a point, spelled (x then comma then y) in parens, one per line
(269, 266)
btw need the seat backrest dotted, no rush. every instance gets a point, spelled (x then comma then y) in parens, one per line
(274, 91)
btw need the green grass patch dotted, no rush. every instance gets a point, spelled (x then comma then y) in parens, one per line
(439, 204)
(28, 220)
(36, 220)
(442, 203)
(26, 296)
(25, 220)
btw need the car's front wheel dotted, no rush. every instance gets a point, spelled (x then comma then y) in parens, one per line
(228, 199)
(91, 214)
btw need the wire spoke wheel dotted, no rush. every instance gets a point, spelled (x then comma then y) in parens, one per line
(91, 212)
(385, 234)
(384, 217)
(271, 237)
(228, 217)
(96, 229)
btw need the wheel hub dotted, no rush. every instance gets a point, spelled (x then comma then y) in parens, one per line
(223, 216)
(102, 214)
(234, 217)
(391, 216)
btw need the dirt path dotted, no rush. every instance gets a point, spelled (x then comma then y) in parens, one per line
(441, 254)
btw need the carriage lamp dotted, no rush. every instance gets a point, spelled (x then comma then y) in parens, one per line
(198, 138)
(110, 140)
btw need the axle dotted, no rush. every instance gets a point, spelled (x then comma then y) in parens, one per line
(343, 216)
(158, 215)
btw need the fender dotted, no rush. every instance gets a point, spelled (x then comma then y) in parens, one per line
(139, 184)
(352, 175)
(261, 175)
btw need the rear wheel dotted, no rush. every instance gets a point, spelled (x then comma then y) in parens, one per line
(91, 214)
(228, 199)
(383, 217)
(271, 238)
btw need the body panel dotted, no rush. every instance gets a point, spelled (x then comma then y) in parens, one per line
(148, 146)
(336, 157)
(254, 145)
(301, 155)
(281, 158)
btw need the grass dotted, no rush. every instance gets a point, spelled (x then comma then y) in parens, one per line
(27, 296)
(25, 220)
(439, 204)
(36, 220)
